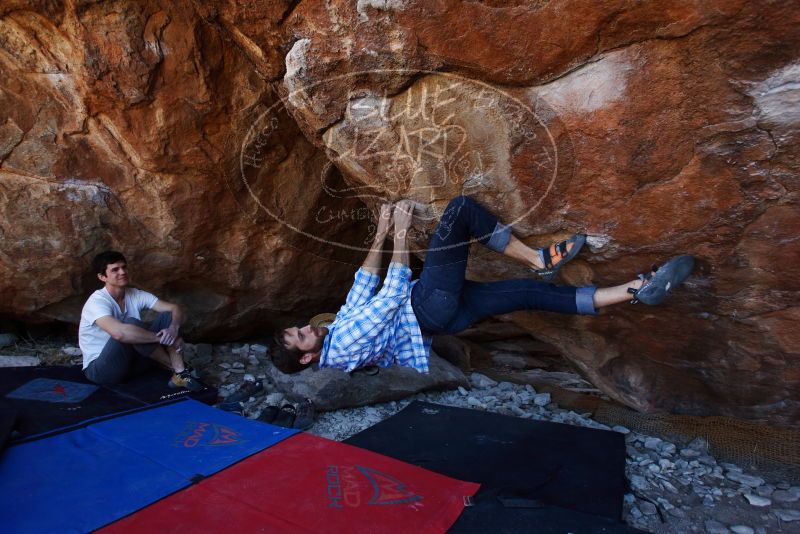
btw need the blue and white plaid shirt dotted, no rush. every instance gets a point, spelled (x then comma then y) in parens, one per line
(377, 329)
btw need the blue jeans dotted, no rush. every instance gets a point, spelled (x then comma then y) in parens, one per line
(445, 302)
(120, 361)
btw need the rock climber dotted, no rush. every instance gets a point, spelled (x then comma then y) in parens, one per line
(394, 326)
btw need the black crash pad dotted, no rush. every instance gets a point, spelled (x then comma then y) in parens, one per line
(535, 476)
(8, 417)
(52, 399)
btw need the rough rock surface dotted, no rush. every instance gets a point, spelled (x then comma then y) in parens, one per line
(332, 389)
(121, 126)
(657, 128)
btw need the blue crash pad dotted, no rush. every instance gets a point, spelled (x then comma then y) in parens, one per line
(84, 479)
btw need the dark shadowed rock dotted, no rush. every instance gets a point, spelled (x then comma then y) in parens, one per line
(332, 389)
(462, 353)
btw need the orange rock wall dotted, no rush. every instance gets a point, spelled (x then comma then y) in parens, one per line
(121, 127)
(230, 149)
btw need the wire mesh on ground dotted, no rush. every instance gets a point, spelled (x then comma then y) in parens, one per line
(773, 452)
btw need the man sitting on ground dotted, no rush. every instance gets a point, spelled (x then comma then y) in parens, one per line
(393, 327)
(116, 344)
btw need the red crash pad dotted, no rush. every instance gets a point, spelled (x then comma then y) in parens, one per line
(310, 484)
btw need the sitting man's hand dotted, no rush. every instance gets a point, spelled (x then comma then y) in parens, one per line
(384, 222)
(402, 218)
(168, 335)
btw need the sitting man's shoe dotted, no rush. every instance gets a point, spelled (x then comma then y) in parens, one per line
(246, 390)
(184, 379)
(233, 407)
(304, 415)
(196, 373)
(269, 414)
(285, 416)
(657, 284)
(555, 256)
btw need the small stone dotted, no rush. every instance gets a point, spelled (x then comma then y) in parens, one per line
(784, 485)
(667, 448)
(708, 501)
(542, 399)
(237, 371)
(481, 381)
(203, 351)
(237, 365)
(665, 464)
(19, 361)
(69, 350)
(766, 490)
(787, 515)
(782, 495)
(463, 391)
(621, 429)
(225, 365)
(705, 459)
(639, 483)
(258, 349)
(6, 340)
(648, 508)
(505, 386)
(698, 444)
(689, 453)
(747, 480)
(653, 468)
(715, 527)
(742, 529)
(274, 399)
(652, 443)
(249, 378)
(472, 401)
(635, 512)
(757, 500)
(669, 487)
(677, 512)
(516, 410)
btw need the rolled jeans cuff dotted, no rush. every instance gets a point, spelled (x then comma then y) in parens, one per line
(500, 237)
(584, 300)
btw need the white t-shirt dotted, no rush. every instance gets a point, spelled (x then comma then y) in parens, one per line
(92, 338)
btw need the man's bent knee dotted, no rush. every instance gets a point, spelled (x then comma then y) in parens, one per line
(133, 321)
(460, 201)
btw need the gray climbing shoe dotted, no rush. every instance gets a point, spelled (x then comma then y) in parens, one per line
(657, 285)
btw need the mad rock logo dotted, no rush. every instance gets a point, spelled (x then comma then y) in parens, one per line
(207, 435)
(352, 486)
